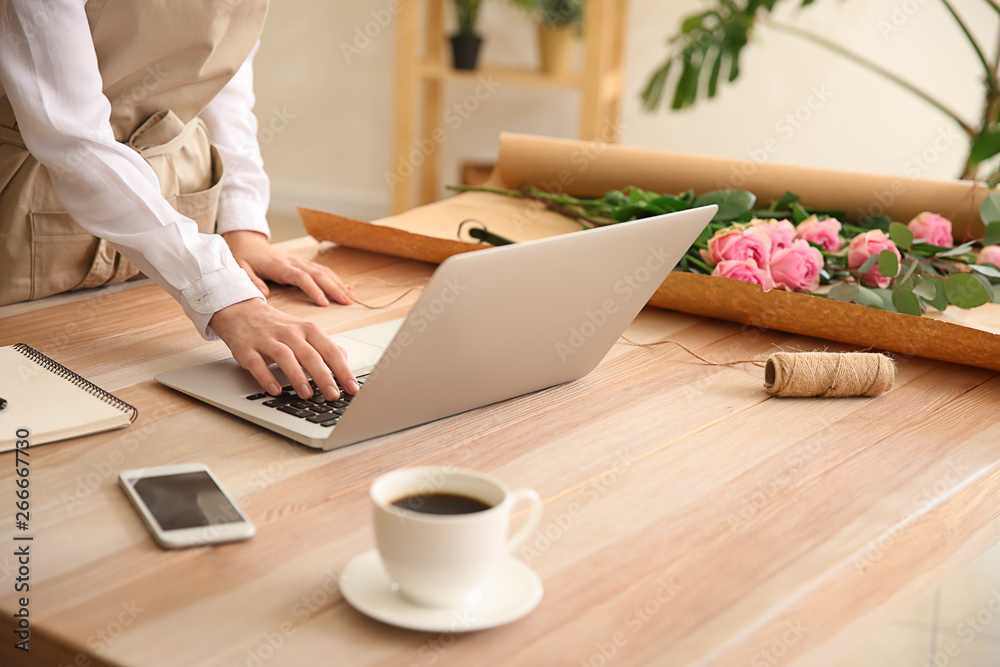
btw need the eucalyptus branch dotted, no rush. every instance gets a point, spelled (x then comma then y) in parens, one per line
(991, 74)
(485, 188)
(559, 208)
(874, 68)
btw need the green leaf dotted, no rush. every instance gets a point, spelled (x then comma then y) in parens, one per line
(654, 89)
(627, 213)
(637, 196)
(713, 77)
(785, 201)
(687, 85)
(732, 203)
(992, 235)
(940, 300)
(900, 235)
(881, 222)
(925, 288)
(986, 270)
(907, 302)
(870, 297)
(844, 292)
(868, 265)
(692, 23)
(989, 210)
(668, 203)
(885, 294)
(957, 250)
(888, 264)
(799, 212)
(965, 291)
(984, 146)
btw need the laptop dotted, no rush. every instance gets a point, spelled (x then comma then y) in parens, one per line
(490, 325)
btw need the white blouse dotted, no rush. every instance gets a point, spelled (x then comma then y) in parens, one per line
(49, 70)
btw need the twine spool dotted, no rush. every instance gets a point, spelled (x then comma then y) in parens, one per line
(828, 374)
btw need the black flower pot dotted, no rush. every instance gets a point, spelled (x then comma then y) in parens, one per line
(465, 50)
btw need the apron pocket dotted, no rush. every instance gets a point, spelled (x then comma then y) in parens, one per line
(62, 253)
(202, 207)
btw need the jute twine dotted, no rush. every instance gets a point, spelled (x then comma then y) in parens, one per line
(828, 374)
(786, 374)
(411, 286)
(823, 374)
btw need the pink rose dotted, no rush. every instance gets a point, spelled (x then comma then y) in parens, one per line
(797, 267)
(781, 232)
(745, 270)
(932, 228)
(825, 233)
(989, 255)
(864, 246)
(738, 243)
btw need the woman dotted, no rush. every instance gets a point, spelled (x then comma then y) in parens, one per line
(127, 145)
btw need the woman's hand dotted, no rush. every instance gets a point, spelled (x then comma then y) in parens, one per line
(263, 262)
(258, 335)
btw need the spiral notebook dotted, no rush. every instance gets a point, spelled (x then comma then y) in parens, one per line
(52, 402)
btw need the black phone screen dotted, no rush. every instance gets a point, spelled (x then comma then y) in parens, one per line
(186, 500)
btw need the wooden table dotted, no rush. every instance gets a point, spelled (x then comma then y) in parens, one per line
(690, 518)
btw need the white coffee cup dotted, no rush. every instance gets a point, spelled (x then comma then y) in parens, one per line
(443, 560)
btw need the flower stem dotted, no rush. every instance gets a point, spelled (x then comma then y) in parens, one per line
(485, 188)
(991, 74)
(700, 264)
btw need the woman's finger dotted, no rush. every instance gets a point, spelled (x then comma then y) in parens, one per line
(254, 278)
(258, 367)
(335, 357)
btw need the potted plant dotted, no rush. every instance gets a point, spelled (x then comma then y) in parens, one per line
(465, 43)
(559, 24)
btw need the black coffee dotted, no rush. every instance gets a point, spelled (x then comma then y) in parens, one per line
(442, 503)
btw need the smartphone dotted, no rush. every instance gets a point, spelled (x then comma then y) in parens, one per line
(184, 506)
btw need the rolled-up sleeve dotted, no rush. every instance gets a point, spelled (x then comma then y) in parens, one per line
(232, 127)
(51, 76)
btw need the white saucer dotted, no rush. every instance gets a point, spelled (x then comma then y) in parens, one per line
(512, 591)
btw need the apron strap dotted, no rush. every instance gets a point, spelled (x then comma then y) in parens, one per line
(12, 137)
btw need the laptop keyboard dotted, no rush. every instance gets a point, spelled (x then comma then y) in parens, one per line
(317, 409)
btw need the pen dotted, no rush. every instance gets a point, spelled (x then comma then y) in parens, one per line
(3, 403)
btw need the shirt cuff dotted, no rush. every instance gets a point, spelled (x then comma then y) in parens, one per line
(215, 291)
(241, 214)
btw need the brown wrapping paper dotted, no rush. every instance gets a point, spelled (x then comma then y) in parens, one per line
(429, 233)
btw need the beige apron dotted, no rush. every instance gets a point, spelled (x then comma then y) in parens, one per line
(161, 62)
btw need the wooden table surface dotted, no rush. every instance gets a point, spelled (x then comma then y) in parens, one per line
(689, 517)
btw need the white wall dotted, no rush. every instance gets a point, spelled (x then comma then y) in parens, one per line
(326, 116)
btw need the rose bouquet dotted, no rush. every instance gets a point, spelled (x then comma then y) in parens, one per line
(876, 262)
